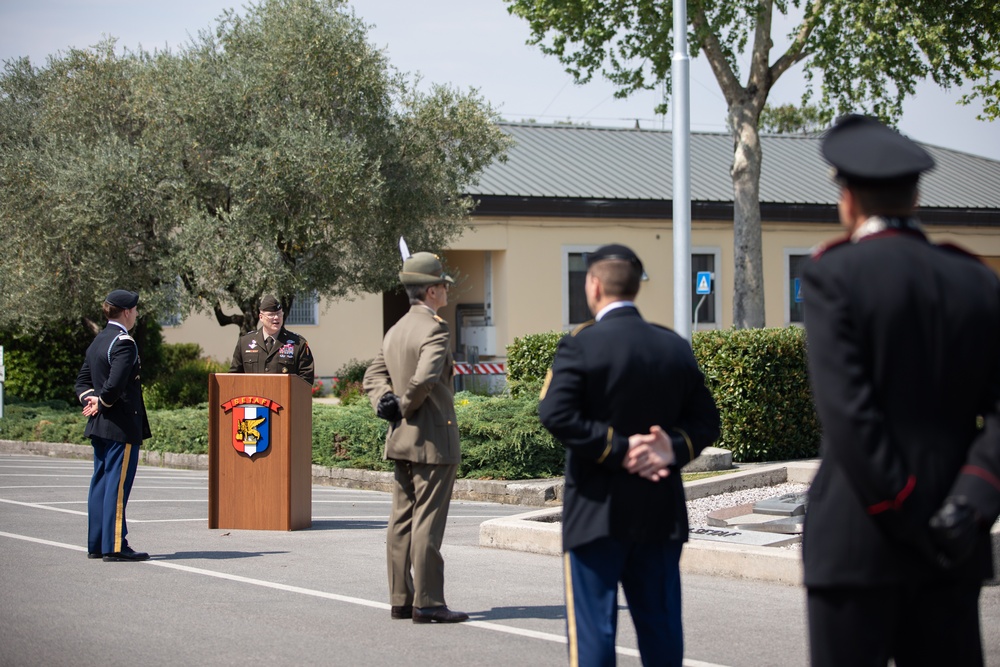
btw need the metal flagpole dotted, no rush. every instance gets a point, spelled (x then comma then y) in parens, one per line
(680, 72)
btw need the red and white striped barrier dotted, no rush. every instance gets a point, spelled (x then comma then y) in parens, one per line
(463, 368)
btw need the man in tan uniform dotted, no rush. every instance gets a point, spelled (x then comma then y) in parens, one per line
(410, 384)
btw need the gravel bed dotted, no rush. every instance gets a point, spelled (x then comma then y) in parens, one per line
(698, 509)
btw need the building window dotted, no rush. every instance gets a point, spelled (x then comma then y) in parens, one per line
(172, 320)
(575, 309)
(795, 263)
(305, 309)
(702, 260)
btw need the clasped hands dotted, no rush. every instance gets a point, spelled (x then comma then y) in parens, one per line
(90, 406)
(650, 455)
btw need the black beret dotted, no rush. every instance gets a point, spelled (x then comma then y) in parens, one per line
(865, 151)
(123, 299)
(269, 304)
(613, 251)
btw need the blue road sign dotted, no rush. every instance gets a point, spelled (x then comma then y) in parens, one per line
(703, 283)
(798, 290)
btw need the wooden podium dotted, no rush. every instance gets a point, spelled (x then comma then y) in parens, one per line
(259, 451)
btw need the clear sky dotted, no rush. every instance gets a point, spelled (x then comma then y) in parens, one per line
(466, 43)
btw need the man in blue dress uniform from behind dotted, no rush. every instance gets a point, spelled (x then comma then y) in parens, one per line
(628, 401)
(110, 389)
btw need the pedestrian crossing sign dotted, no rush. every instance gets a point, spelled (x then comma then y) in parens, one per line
(703, 282)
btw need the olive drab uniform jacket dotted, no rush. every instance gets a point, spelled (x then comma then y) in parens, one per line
(415, 363)
(289, 354)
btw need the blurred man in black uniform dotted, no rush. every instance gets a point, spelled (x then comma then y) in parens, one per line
(904, 355)
(272, 348)
(110, 390)
(629, 403)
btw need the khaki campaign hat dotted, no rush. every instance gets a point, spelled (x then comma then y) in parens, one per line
(423, 268)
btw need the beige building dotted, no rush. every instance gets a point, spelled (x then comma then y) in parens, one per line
(566, 190)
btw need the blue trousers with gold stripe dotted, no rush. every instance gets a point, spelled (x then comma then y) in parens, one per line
(115, 464)
(651, 581)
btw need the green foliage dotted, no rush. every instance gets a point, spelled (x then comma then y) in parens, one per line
(281, 139)
(349, 436)
(502, 438)
(43, 365)
(790, 119)
(760, 382)
(180, 430)
(349, 377)
(186, 384)
(49, 421)
(528, 361)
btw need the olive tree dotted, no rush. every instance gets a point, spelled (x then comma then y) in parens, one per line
(858, 55)
(305, 156)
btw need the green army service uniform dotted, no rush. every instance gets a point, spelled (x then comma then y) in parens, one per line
(289, 353)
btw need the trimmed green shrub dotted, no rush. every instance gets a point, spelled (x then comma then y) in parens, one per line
(349, 436)
(43, 366)
(184, 380)
(179, 430)
(760, 382)
(502, 438)
(349, 376)
(528, 361)
(49, 421)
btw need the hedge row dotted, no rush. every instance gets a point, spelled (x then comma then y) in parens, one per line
(757, 376)
(501, 437)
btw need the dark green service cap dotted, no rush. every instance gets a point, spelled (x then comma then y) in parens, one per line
(423, 268)
(269, 304)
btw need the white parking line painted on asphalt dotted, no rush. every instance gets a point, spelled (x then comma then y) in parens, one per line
(485, 625)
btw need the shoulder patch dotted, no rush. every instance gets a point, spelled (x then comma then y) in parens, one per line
(583, 326)
(827, 246)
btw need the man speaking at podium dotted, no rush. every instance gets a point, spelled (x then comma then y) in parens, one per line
(272, 348)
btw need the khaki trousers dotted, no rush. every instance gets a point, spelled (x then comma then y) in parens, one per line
(421, 496)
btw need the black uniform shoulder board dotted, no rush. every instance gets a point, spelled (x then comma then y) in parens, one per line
(581, 327)
(959, 250)
(824, 248)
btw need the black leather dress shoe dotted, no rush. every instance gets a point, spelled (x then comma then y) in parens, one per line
(401, 611)
(438, 615)
(126, 554)
(91, 554)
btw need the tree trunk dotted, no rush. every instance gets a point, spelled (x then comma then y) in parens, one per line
(748, 274)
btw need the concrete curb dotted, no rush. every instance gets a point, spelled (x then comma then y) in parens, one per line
(541, 532)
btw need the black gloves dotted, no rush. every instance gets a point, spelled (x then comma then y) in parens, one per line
(955, 530)
(388, 407)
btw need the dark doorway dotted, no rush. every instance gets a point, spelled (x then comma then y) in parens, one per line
(395, 304)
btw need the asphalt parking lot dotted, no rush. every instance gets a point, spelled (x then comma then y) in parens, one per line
(316, 596)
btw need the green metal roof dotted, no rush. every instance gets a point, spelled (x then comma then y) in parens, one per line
(581, 162)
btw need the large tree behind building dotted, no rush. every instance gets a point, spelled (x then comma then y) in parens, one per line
(863, 55)
(279, 152)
